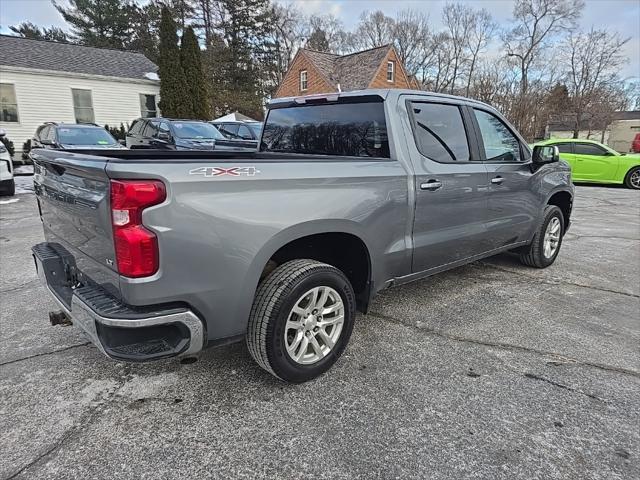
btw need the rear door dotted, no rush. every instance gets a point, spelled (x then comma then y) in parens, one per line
(512, 205)
(592, 162)
(450, 184)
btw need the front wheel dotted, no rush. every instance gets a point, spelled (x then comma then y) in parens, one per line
(547, 240)
(632, 180)
(301, 320)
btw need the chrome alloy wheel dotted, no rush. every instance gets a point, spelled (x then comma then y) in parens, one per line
(551, 237)
(314, 325)
(634, 179)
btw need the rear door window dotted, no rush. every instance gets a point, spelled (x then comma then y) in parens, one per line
(439, 132)
(588, 149)
(230, 130)
(244, 133)
(136, 127)
(50, 134)
(151, 129)
(340, 129)
(42, 133)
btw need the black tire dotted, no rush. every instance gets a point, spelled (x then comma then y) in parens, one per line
(275, 298)
(533, 254)
(8, 187)
(627, 178)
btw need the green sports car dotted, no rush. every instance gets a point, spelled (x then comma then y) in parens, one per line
(594, 162)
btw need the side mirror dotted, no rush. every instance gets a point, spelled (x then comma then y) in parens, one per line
(122, 142)
(163, 136)
(545, 154)
(48, 143)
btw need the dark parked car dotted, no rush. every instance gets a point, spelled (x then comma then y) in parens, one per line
(172, 134)
(240, 130)
(70, 136)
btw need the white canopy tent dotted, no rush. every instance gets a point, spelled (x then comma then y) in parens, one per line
(234, 117)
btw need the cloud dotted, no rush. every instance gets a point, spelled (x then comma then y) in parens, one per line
(309, 7)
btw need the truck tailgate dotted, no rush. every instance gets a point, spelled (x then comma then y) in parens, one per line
(73, 197)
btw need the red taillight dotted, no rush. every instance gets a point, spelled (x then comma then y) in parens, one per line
(136, 247)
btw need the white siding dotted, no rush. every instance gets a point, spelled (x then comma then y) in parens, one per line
(47, 97)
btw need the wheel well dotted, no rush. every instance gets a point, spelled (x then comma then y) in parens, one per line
(344, 251)
(564, 202)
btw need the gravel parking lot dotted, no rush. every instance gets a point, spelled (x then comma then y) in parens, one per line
(492, 370)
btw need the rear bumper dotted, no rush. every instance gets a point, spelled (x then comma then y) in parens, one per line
(120, 331)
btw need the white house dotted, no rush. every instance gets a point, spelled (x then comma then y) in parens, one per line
(43, 81)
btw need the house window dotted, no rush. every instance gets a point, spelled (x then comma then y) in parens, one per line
(303, 80)
(82, 106)
(148, 108)
(8, 103)
(390, 71)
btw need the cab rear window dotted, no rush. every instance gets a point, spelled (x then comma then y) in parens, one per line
(340, 129)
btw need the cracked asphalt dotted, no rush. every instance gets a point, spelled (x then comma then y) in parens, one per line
(492, 370)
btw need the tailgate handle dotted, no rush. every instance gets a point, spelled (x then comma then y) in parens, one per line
(54, 168)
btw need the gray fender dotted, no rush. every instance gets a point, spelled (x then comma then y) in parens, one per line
(283, 237)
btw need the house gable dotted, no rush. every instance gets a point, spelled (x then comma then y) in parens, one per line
(400, 77)
(327, 72)
(317, 81)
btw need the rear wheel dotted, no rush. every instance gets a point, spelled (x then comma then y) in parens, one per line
(301, 320)
(632, 180)
(546, 243)
(8, 187)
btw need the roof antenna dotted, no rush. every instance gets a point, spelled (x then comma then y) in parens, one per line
(339, 89)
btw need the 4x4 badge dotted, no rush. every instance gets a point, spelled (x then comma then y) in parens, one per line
(220, 171)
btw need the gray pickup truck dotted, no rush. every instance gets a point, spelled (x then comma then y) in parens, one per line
(159, 254)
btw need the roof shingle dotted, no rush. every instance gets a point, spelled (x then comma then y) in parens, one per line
(66, 57)
(354, 71)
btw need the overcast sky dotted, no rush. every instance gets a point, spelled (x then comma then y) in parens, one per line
(615, 15)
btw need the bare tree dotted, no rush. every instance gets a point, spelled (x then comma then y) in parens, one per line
(414, 41)
(457, 19)
(374, 30)
(480, 32)
(536, 23)
(329, 27)
(593, 59)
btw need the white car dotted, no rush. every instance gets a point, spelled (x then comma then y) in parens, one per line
(7, 184)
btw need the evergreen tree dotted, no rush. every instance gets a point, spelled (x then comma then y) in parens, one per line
(174, 96)
(244, 30)
(100, 23)
(29, 30)
(191, 59)
(318, 41)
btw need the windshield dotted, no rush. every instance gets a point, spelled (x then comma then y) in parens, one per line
(196, 130)
(85, 136)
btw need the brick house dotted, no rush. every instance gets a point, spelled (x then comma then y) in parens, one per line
(319, 72)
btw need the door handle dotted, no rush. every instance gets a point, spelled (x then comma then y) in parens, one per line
(431, 185)
(497, 180)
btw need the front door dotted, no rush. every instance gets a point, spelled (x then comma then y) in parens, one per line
(450, 184)
(592, 162)
(512, 206)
